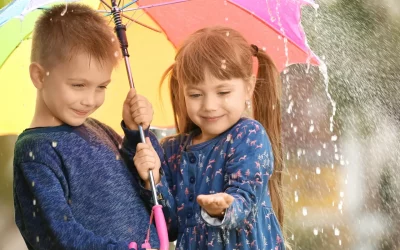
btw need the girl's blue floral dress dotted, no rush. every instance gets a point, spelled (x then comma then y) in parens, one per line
(238, 162)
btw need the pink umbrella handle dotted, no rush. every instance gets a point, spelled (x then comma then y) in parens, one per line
(161, 227)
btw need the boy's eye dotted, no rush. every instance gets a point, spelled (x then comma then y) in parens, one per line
(194, 95)
(79, 85)
(103, 87)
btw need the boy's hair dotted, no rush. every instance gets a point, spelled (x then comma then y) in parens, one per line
(58, 36)
(226, 54)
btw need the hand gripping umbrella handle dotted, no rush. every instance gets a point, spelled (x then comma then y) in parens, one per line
(120, 30)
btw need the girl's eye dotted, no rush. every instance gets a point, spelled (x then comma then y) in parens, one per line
(224, 93)
(194, 95)
(103, 87)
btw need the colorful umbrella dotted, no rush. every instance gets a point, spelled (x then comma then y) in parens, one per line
(272, 25)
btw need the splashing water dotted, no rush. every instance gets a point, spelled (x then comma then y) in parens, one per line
(324, 71)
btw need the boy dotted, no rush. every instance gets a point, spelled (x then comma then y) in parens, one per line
(75, 186)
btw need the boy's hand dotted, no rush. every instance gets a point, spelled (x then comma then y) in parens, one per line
(215, 204)
(146, 158)
(137, 110)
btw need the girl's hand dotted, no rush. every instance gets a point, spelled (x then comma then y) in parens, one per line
(146, 158)
(215, 204)
(137, 110)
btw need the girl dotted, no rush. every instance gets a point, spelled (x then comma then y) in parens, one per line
(221, 175)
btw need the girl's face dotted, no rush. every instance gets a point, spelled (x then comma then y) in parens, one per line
(216, 105)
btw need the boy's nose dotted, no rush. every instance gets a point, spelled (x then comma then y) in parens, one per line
(89, 100)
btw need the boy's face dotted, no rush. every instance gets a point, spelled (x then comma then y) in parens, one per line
(73, 90)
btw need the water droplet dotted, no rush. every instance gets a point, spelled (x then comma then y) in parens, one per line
(334, 137)
(342, 194)
(225, 2)
(264, 48)
(311, 128)
(54, 144)
(47, 73)
(337, 232)
(287, 156)
(65, 10)
(340, 242)
(273, 19)
(30, 154)
(226, 19)
(163, 134)
(34, 202)
(33, 183)
(37, 238)
(304, 211)
(34, 214)
(117, 157)
(336, 157)
(227, 33)
(324, 145)
(296, 177)
(295, 129)
(279, 37)
(315, 231)
(292, 236)
(296, 199)
(319, 152)
(318, 170)
(116, 54)
(308, 100)
(65, 217)
(51, 19)
(223, 66)
(119, 146)
(112, 39)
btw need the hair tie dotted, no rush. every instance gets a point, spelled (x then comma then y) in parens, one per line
(255, 49)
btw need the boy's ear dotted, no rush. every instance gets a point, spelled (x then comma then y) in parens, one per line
(36, 72)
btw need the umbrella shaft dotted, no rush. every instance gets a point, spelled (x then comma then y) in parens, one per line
(153, 187)
(129, 71)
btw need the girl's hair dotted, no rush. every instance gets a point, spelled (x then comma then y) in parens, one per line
(226, 54)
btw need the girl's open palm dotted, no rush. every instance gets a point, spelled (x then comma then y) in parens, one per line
(215, 204)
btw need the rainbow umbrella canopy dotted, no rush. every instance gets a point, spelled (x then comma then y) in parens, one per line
(155, 28)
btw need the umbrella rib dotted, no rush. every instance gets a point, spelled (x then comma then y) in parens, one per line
(106, 4)
(156, 5)
(140, 23)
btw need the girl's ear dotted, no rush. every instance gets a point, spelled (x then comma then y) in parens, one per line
(37, 74)
(250, 87)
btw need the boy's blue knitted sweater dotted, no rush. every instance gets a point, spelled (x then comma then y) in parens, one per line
(76, 188)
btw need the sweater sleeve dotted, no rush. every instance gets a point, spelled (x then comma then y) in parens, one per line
(43, 214)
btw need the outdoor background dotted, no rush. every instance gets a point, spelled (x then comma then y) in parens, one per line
(342, 187)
